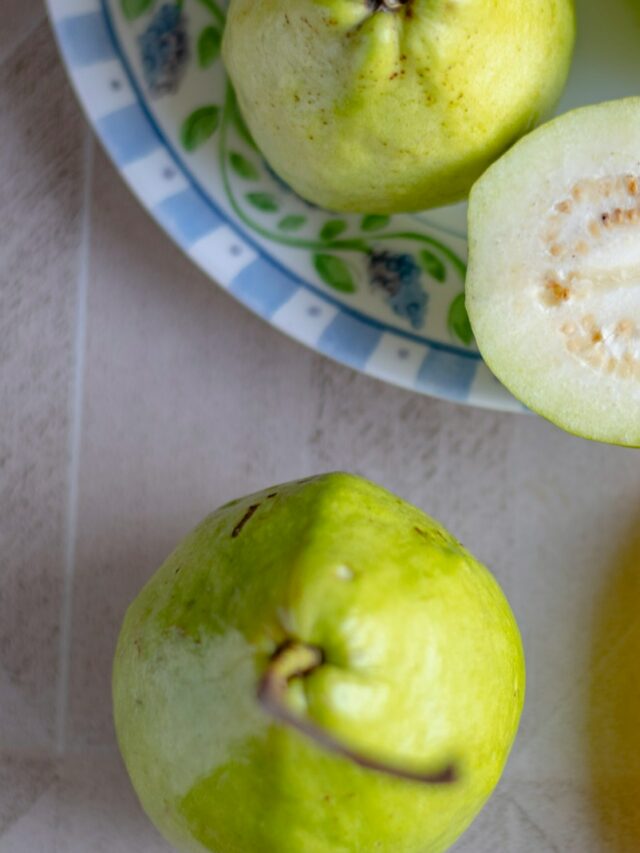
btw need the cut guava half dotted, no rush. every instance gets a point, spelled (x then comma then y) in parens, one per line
(553, 284)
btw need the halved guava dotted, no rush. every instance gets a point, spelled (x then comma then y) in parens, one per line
(553, 287)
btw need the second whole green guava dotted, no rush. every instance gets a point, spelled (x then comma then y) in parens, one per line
(393, 105)
(318, 668)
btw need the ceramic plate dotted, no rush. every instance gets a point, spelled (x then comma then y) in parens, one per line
(381, 294)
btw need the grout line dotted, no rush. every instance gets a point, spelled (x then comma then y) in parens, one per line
(75, 438)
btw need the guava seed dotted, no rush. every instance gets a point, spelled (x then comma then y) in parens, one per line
(578, 228)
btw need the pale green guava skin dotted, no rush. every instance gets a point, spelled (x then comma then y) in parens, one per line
(360, 108)
(423, 667)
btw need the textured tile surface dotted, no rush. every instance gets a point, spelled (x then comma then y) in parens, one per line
(20, 18)
(41, 189)
(186, 400)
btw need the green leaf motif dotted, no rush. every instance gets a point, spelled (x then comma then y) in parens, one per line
(374, 221)
(263, 201)
(199, 126)
(433, 265)
(458, 320)
(242, 167)
(332, 229)
(132, 9)
(292, 223)
(334, 272)
(209, 42)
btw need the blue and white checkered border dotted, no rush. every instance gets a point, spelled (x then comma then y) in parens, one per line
(115, 107)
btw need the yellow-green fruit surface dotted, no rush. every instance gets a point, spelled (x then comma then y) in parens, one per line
(422, 667)
(363, 107)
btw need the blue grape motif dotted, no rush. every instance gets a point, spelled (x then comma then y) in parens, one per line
(164, 49)
(399, 278)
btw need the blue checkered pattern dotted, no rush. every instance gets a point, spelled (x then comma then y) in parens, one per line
(264, 285)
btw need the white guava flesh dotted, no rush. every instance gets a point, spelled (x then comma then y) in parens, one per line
(553, 286)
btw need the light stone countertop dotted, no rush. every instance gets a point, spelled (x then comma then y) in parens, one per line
(136, 397)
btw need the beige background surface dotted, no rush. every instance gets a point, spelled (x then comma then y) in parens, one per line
(135, 397)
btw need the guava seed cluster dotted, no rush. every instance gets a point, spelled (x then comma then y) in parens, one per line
(553, 284)
(585, 237)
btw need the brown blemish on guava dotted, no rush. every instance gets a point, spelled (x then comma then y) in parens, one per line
(238, 528)
(434, 537)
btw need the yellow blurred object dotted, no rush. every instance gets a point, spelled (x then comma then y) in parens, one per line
(614, 710)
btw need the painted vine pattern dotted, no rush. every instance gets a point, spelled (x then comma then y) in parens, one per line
(165, 48)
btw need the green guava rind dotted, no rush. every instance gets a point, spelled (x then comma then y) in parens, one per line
(383, 112)
(505, 206)
(424, 666)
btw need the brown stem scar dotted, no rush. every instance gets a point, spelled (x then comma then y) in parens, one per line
(238, 528)
(295, 660)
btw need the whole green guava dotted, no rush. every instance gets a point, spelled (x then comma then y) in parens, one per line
(318, 668)
(393, 105)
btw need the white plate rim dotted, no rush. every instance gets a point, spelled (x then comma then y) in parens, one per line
(92, 54)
